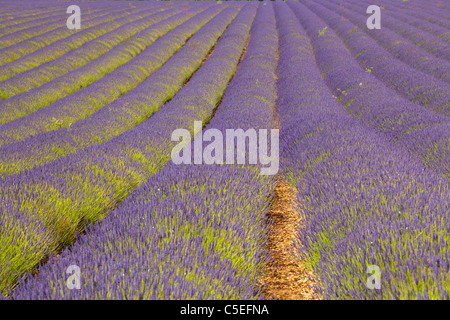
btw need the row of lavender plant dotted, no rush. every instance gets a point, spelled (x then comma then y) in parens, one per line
(21, 20)
(130, 109)
(101, 69)
(437, 6)
(424, 133)
(26, 46)
(168, 37)
(31, 54)
(418, 37)
(21, 49)
(417, 86)
(110, 45)
(432, 13)
(436, 13)
(53, 25)
(417, 19)
(363, 200)
(8, 12)
(23, 10)
(32, 9)
(18, 22)
(71, 192)
(11, 16)
(190, 232)
(17, 19)
(400, 48)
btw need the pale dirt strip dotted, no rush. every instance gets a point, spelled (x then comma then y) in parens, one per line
(285, 278)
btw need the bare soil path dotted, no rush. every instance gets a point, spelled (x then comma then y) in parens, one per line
(285, 278)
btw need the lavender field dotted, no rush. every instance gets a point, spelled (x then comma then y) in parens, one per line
(87, 179)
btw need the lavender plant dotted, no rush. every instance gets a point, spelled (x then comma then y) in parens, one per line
(363, 200)
(399, 47)
(424, 133)
(132, 108)
(412, 84)
(103, 54)
(72, 192)
(36, 54)
(53, 24)
(170, 241)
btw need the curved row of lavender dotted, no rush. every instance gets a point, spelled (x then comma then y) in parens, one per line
(156, 45)
(363, 200)
(432, 7)
(400, 48)
(326, 152)
(170, 241)
(63, 76)
(54, 26)
(20, 22)
(417, 19)
(171, 70)
(25, 11)
(9, 55)
(39, 52)
(89, 53)
(22, 19)
(416, 86)
(423, 132)
(420, 38)
(434, 13)
(61, 197)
